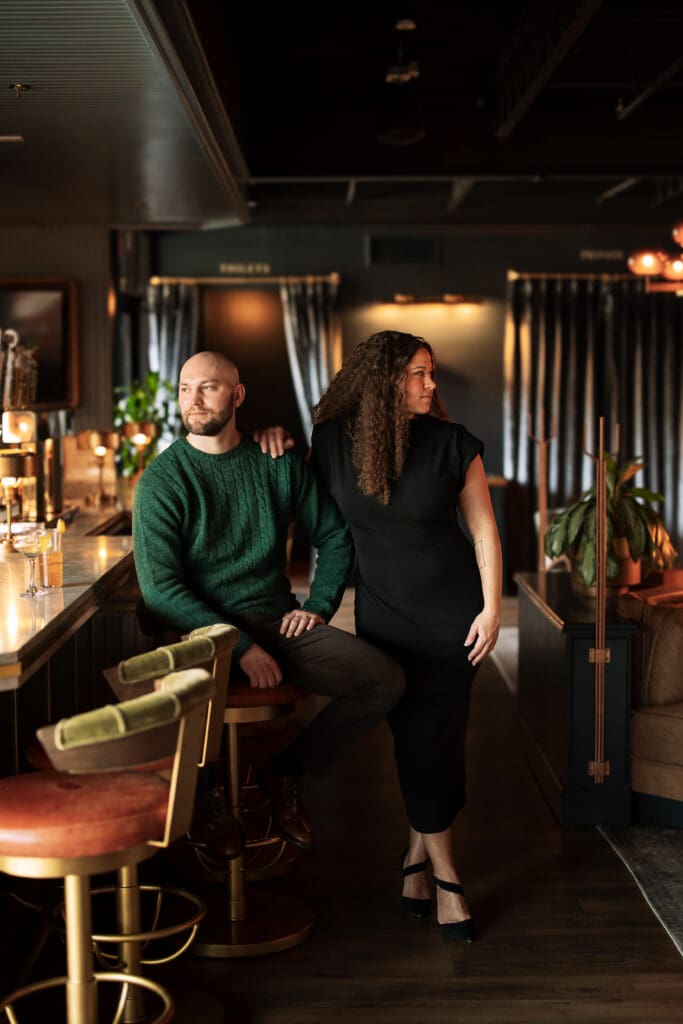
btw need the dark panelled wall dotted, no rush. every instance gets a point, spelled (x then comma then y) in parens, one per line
(80, 252)
(468, 342)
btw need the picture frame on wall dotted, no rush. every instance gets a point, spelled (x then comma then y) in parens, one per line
(44, 313)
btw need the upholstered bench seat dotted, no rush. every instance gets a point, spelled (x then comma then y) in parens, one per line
(657, 717)
(657, 750)
(55, 815)
(657, 733)
(657, 779)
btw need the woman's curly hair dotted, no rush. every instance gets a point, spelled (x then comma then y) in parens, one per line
(369, 394)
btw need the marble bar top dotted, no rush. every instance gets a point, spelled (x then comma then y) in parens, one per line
(31, 630)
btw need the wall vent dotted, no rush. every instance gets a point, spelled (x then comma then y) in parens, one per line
(402, 250)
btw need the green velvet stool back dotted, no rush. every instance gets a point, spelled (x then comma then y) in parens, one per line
(209, 647)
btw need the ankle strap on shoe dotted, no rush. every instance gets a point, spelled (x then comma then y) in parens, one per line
(414, 869)
(450, 886)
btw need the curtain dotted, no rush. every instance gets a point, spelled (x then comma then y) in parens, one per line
(577, 348)
(170, 331)
(131, 262)
(156, 325)
(313, 336)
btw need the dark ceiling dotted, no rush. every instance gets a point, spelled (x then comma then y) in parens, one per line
(182, 113)
(532, 110)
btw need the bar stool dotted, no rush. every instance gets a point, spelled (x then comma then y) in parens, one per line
(97, 812)
(210, 649)
(266, 854)
(259, 922)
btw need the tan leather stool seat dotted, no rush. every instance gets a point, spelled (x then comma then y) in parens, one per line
(48, 814)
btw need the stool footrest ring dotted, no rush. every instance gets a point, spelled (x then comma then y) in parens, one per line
(189, 924)
(100, 976)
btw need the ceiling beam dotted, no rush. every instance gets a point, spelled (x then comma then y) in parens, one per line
(616, 190)
(476, 176)
(650, 90)
(545, 33)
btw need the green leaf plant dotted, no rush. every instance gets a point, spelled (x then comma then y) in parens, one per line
(146, 401)
(631, 514)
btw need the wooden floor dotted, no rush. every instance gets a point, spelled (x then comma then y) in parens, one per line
(565, 935)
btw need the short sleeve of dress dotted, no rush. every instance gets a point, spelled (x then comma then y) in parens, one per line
(468, 447)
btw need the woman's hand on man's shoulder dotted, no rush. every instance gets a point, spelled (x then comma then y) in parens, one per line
(274, 441)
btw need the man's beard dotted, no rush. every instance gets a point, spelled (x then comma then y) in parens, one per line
(212, 425)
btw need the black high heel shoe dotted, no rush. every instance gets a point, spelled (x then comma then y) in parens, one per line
(458, 931)
(411, 905)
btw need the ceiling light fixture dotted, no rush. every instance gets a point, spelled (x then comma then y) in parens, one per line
(401, 121)
(657, 263)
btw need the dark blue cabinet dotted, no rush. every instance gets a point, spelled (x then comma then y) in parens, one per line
(557, 701)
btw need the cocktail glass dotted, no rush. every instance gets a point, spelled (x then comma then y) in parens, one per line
(32, 544)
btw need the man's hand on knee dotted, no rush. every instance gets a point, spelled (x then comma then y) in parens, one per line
(261, 670)
(298, 621)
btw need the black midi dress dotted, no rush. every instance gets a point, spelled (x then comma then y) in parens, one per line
(418, 589)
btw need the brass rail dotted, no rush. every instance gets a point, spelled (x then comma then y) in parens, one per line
(600, 655)
(250, 279)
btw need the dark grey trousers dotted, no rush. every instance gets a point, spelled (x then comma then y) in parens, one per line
(363, 682)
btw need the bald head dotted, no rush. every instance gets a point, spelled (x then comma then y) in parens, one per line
(209, 391)
(210, 364)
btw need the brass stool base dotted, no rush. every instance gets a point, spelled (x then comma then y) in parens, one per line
(267, 863)
(125, 980)
(274, 923)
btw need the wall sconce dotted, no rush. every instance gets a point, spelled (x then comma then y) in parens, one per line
(141, 434)
(11, 471)
(19, 426)
(446, 299)
(100, 442)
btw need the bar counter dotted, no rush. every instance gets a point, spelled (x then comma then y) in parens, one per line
(32, 629)
(53, 648)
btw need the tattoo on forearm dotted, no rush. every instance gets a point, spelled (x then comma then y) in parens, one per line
(479, 551)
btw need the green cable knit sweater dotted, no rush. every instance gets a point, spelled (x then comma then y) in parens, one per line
(210, 532)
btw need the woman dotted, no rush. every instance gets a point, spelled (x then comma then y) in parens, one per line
(400, 472)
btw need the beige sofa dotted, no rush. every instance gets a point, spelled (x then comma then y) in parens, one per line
(657, 718)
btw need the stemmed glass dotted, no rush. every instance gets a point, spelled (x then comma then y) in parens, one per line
(32, 544)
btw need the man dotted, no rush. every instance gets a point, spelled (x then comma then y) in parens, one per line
(210, 523)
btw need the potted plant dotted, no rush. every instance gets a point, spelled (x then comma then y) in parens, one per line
(636, 534)
(143, 412)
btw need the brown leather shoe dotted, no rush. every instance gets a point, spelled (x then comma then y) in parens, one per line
(215, 830)
(288, 811)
